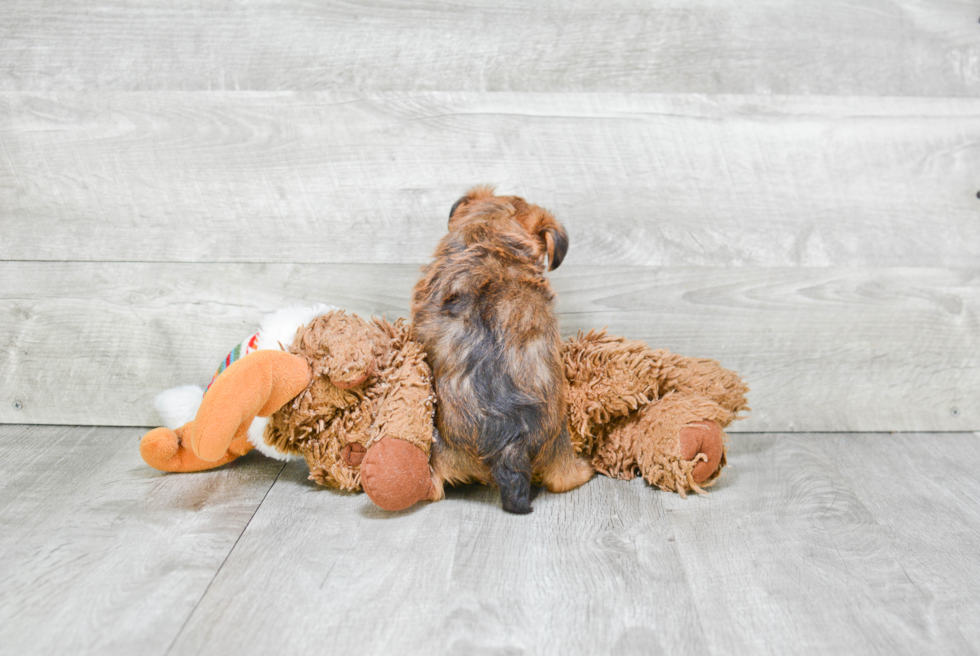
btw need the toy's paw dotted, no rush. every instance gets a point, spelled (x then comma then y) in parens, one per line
(159, 448)
(395, 474)
(703, 437)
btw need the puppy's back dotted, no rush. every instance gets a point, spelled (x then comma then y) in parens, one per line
(484, 313)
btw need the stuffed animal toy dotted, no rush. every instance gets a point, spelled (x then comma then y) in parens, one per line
(354, 399)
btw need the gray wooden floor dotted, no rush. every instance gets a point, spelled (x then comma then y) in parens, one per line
(816, 543)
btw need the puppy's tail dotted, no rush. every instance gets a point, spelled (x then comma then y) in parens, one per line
(511, 472)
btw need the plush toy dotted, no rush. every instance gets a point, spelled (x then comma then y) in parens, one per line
(354, 398)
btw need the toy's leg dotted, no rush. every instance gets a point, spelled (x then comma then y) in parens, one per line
(395, 470)
(677, 443)
(395, 474)
(255, 386)
(168, 450)
(703, 438)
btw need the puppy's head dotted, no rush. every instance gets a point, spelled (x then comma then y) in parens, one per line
(480, 208)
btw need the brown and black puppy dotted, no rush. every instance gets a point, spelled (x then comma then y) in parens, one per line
(484, 313)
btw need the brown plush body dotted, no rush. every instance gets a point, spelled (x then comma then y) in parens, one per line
(484, 313)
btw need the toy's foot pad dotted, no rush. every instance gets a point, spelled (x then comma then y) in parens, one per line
(703, 437)
(395, 474)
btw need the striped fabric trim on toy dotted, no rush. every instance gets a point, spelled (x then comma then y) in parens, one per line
(237, 353)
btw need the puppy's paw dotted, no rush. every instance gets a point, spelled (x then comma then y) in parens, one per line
(575, 472)
(437, 492)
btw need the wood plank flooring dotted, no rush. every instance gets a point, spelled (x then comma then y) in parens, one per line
(811, 543)
(100, 553)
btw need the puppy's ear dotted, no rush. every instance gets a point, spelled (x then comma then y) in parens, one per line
(556, 244)
(542, 224)
(456, 206)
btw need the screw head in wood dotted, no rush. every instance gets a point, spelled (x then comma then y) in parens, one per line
(18, 405)
(954, 412)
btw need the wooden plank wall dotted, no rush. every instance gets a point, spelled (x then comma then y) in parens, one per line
(788, 187)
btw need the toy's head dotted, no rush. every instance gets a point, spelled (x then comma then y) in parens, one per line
(345, 348)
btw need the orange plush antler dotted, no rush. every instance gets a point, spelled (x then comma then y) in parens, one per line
(168, 450)
(255, 386)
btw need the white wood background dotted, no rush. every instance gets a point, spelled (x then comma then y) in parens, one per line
(789, 188)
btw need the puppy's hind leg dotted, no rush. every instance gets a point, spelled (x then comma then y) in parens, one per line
(511, 471)
(566, 471)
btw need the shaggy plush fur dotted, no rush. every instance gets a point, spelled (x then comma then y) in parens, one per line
(369, 381)
(483, 311)
(627, 405)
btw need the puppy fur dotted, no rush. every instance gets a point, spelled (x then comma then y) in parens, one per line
(484, 313)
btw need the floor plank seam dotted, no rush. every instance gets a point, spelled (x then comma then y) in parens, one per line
(223, 562)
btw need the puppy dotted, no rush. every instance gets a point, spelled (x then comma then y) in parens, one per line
(484, 313)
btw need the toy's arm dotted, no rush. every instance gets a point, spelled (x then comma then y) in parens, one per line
(395, 470)
(700, 377)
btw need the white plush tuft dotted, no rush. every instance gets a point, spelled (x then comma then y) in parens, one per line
(280, 327)
(178, 405)
(255, 436)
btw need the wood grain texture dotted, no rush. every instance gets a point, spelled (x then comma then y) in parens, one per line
(822, 349)
(809, 543)
(927, 503)
(783, 557)
(100, 553)
(844, 47)
(586, 571)
(790, 553)
(660, 180)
